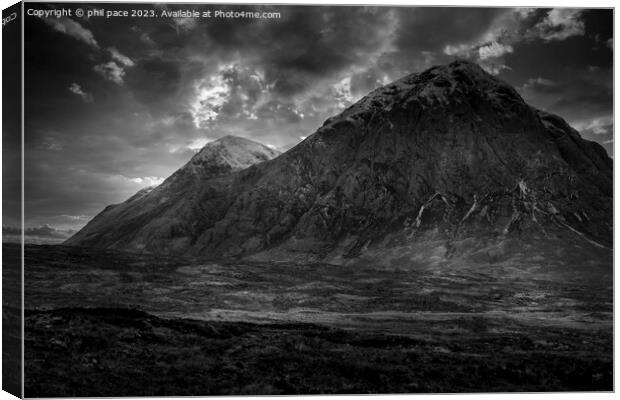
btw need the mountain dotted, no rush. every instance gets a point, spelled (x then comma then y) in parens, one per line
(161, 211)
(420, 168)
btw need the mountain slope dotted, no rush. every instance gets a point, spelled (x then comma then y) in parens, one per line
(418, 165)
(165, 209)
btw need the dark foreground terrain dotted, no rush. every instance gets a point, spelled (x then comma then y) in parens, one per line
(120, 352)
(505, 318)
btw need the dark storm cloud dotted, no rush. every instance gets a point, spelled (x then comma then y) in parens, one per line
(568, 91)
(316, 49)
(431, 29)
(307, 44)
(154, 79)
(116, 105)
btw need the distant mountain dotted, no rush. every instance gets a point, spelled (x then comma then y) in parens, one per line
(44, 234)
(417, 166)
(157, 211)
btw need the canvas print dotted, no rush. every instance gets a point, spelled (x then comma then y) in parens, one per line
(311, 199)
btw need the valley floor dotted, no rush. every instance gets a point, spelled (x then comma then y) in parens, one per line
(102, 323)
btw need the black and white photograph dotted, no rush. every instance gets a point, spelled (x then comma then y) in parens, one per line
(211, 199)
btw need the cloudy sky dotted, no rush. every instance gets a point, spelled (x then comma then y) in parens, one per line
(114, 105)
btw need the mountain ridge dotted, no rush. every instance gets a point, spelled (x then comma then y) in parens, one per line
(217, 158)
(435, 157)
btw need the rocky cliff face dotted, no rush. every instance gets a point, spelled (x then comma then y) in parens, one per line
(437, 157)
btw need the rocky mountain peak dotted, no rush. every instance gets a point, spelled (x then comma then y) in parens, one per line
(224, 155)
(179, 191)
(233, 152)
(439, 87)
